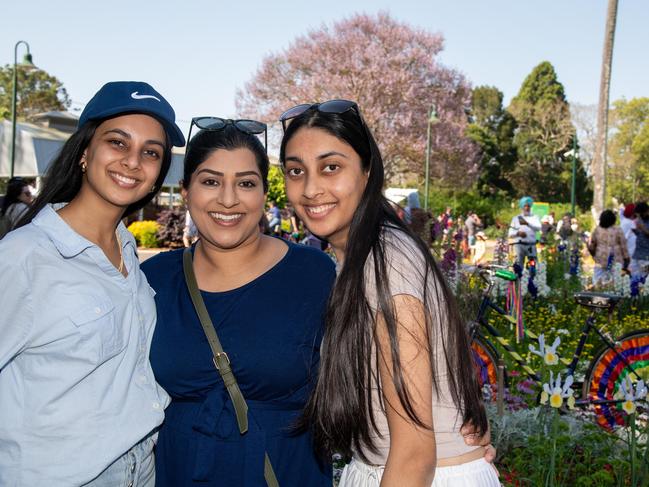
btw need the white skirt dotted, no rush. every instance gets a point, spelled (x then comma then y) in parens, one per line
(478, 473)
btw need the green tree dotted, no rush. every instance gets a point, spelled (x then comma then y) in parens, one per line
(628, 150)
(38, 91)
(276, 191)
(544, 134)
(492, 128)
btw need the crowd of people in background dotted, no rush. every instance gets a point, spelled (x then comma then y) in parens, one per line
(608, 243)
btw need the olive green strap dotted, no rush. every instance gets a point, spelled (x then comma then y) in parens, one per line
(269, 474)
(221, 359)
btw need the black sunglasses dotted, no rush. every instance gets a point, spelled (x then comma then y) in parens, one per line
(215, 123)
(331, 106)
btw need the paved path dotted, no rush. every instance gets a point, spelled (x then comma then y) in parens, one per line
(144, 254)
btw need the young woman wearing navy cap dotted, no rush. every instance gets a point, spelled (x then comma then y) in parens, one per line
(78, 400)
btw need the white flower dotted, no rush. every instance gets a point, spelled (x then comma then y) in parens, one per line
(549, 353)
(631, 394)
(556, 392)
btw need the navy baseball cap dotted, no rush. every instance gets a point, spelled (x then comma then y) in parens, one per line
(122, 97)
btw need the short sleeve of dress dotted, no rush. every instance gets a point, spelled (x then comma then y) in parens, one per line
(406, 267)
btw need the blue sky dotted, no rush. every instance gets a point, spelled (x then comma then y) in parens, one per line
(197, 53)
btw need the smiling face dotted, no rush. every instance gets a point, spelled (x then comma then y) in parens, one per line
(225, 198)
(324, 182)
(123, 160)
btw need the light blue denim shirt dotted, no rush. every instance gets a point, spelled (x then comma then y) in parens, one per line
(76, 387)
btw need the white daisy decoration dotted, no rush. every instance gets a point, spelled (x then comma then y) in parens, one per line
(631, 394)
(556, 392)
(549, 353)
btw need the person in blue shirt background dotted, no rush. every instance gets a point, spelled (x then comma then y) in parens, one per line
(266, 298)
(78, 401)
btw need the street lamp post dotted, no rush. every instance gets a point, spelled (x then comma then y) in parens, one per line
(27, 60)
(432, 119)
(573, 195)
(573, 186)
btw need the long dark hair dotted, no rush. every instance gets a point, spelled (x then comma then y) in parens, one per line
(205, 142)
(63, 177)
(14, 190)
(340, 410)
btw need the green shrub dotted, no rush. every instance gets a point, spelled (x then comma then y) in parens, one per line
(145, 232)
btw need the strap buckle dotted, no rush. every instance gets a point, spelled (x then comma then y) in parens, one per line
(216, 358)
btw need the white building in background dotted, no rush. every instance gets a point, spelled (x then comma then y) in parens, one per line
(40, 140)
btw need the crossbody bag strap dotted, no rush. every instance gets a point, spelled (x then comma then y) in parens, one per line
(221, 359)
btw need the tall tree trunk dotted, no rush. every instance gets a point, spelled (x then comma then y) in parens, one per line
(599, 161)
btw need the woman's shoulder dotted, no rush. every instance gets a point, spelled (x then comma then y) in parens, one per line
(401, 248)
(161, 264)
(311, 258)
(23, 251)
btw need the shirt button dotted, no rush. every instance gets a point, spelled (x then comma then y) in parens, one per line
(156, 405)
(97, 310)
(130, 484)
(132, 470)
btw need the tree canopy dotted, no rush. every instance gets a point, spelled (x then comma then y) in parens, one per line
(38, 91)
(628, 150)
(545, 133)
(391, 70)
(492, 128)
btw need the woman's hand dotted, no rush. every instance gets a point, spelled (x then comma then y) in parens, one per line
(472, 438)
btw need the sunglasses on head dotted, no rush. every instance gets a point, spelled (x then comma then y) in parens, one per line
(331, 106)
(252, 127)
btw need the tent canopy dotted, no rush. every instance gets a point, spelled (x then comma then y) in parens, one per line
(37, 146)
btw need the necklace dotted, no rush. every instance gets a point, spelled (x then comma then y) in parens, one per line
(120, 269)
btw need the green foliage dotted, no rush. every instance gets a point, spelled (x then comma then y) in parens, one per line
(586, 455)
(276, 190)
(541, 85)
(492, 128)
(145, 232)
(545, 133)
(37, 92)
(463, 202)
(628, 150)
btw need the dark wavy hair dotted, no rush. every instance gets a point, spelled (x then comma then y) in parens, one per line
(607, 219)
(340, 409)
(63, 177)
(15, 187)
(205, 142)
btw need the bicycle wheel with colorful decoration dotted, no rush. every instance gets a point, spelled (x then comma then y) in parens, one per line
(485, 359)
(608, 370)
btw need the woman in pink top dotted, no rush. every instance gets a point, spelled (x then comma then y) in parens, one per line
(396, 380)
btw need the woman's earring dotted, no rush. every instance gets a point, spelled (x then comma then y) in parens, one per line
(152, 190)
(84, 165)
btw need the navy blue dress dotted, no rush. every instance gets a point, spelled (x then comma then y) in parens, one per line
(271, 329)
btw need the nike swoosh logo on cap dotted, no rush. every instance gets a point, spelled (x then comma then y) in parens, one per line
(135, 96)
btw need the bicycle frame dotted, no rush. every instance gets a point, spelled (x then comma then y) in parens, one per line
(589, 326)
(482, 321)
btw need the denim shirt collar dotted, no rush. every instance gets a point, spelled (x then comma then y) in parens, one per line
(68, 242)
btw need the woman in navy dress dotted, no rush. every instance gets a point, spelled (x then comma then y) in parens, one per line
(266, 298)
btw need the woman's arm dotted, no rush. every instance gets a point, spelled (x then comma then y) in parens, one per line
(15, 302)
(412, 456)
